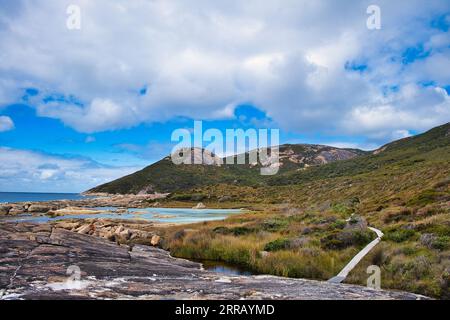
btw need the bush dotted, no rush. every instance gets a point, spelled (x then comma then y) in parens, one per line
(345, 239)
(236, 231)
(378, 257)
(187, 197)
(279, 244)
(445, 284)
(221, 230)
(424, 198)
(342, 209)
(274, 225)
(400, 235)
(181, 197)
(179, 235)
(441, 243)
(339, 224)
(396, 214)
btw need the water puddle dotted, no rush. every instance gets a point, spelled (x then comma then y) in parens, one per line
(225, 268)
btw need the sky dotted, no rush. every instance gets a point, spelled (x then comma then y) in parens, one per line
(83, 106)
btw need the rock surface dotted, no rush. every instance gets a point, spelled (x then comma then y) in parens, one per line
(199, 205)
(4, 210)
(35, 259)
(82, 206)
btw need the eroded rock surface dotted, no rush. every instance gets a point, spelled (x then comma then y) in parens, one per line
(34, 260)
(82, 206)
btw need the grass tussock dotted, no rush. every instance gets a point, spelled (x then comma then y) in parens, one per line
(267, 243)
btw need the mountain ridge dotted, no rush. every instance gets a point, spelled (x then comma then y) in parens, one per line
(298, 163)
(164, 176)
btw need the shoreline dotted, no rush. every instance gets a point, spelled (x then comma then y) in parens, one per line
(113, 201)
(140, 272)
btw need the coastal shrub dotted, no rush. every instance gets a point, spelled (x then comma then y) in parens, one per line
(299, 242)
(180, 197)
(279, 244)
(342, 209)
(418, 268)
(339, 224)
(441, 243)
(240, 231)
(428, 211)
(424, 198)
(440, 229)
(409, 250)
(396, 214)
(197, 197)
(221, 230)
(179, 235)
(236, 231)
(273, 225)
(345, 239)
(187, 197)
(354, 201)
(400, 235)
(445, 284)
(378, 257)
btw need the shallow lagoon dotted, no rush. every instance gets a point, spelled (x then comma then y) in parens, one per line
(162, 215)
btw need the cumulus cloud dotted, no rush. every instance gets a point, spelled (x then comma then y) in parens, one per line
(24, 170)
(201, 60)
(6, 123)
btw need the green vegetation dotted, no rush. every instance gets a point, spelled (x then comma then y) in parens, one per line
(278, 244)
(298, 227)
(164, 176)
(266, 242)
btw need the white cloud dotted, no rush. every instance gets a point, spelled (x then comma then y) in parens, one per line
(392, 118)
(99, 115)
(201, 60)
(24, 170)
(6, 123)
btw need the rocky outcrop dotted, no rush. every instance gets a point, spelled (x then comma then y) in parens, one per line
(17, 209)
(37, 260)
(37, 208)
(4, 210)
(72, 211)
(120, 233)
(312, 154)
(83, 206)
(199, 205)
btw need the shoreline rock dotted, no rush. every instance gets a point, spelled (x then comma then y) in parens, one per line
(199, 205)
(82, 206)
(35, 259)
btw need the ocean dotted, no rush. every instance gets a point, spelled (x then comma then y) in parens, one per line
(8, 197)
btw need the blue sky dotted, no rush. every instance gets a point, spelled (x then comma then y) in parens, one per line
(82, 107)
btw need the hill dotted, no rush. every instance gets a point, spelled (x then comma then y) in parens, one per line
(165, 176)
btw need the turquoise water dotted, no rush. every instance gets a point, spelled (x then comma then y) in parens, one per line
(35, 196)
(164, 215)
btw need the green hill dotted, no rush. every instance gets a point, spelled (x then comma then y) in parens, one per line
(164, 176)
(427, 148)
